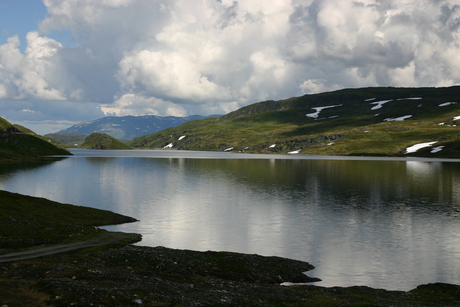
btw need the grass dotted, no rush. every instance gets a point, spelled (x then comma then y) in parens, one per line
(30, 221)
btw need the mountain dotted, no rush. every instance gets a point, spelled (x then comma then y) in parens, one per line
(102, 141)
(381, 121)
(128, 127)
(19, 143)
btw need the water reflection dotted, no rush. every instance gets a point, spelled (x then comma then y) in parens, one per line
(389, 224)
(7, 169)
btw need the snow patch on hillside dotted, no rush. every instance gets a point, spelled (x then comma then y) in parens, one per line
(401, 118)
(445, 104)
(319, 109)
(411, 98)
(437, 149)
(414, 148)
(379, 104)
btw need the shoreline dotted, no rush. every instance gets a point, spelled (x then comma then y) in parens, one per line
(193, 154)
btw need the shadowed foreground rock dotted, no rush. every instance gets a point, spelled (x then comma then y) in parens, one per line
(157, 276)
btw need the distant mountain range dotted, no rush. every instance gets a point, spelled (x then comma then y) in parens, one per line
(129, 127)
(381, 121)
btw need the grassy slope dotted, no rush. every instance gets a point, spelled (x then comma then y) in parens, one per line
(353, 128)
(17, 142)
(56, 143)
(27, 221)
(102, 141)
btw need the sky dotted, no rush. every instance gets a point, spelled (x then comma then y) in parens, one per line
(65, 62)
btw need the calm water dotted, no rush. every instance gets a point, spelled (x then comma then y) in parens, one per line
(385, 224)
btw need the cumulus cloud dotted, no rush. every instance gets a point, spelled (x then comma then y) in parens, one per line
(27, 75)
(182, 57)
(131, 104)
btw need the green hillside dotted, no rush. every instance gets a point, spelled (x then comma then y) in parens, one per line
(102, 141)
(365, 121)
(18, 143)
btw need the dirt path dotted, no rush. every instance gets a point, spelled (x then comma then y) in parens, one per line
(102, 239)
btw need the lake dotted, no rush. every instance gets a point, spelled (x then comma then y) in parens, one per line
(384, 223)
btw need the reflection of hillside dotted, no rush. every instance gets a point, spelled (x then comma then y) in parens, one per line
(440, 179)
(7, 169)
(369, 181)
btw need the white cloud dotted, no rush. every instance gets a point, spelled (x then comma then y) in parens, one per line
(172, 76)
(131, 104)
(187, 57)
(405, 75)
(30, 74)
(27, 74)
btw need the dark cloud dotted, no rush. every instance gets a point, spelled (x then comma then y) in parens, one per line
(450, 17)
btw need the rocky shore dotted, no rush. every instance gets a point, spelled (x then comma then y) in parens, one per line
(127, 275)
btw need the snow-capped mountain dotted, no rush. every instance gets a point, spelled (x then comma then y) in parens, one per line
(128, 127)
